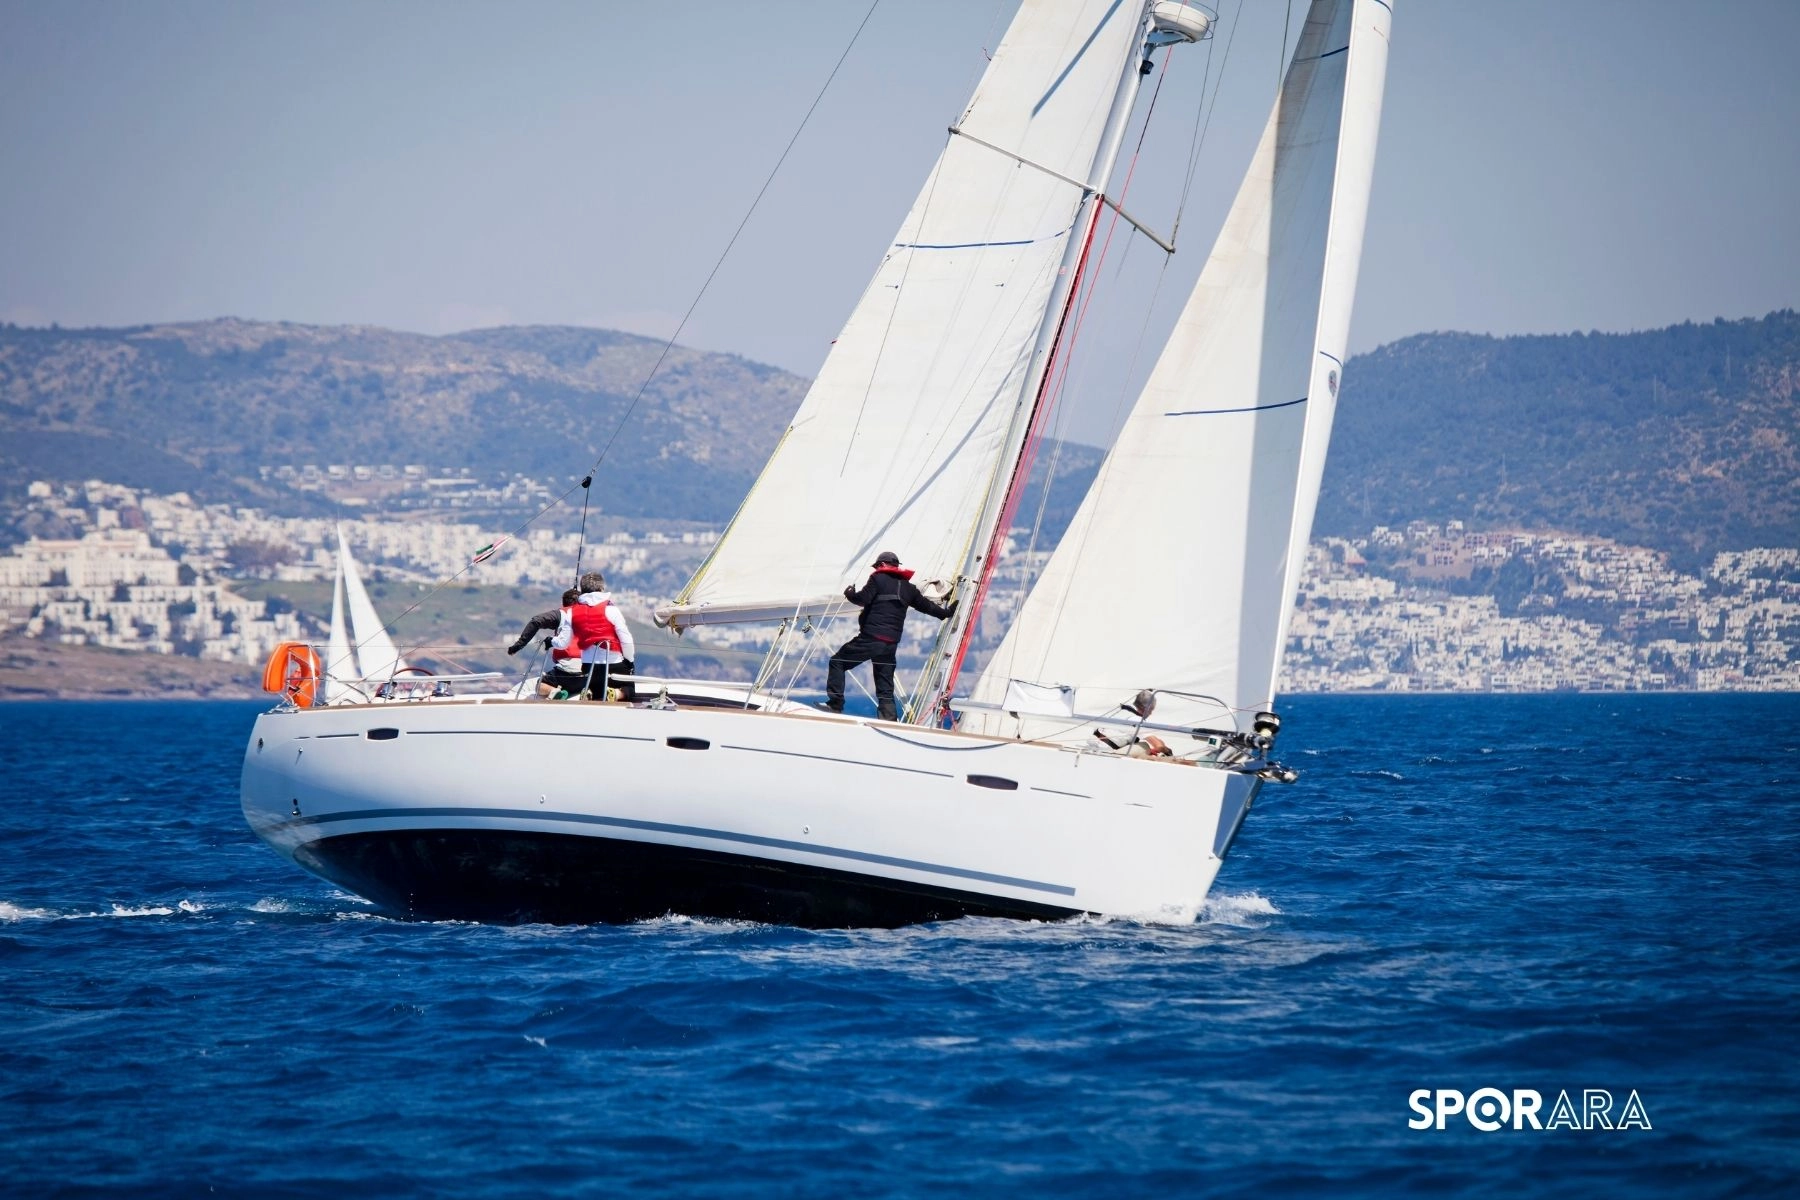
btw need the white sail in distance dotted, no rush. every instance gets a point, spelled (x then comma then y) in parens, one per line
(1179, 569)
(897, 445)
(377, 657)
(340, 659)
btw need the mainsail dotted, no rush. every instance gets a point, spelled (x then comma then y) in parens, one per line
(902, 438)
(1179, 570)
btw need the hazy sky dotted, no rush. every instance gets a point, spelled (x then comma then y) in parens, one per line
(1544, 165)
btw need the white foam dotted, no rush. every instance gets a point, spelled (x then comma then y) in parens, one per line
(1226, 908)
(148, 910)
(679, 920)
(188, 906)
(13, 912)
(269, 904)
(536, 1041)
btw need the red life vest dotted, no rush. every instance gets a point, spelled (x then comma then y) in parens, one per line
(592, 628)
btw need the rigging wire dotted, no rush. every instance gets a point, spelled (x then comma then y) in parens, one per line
(587, 482)
(1281, 63)
(1210, 107)
(736, 233)
(619, 427)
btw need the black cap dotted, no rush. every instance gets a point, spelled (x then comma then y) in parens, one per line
(887, 558)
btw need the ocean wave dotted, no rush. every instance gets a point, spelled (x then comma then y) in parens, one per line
(682, 921)
(15, 912)
(144, 910)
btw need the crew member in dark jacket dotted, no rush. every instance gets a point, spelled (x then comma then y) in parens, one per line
(884, 600)
(544, 622)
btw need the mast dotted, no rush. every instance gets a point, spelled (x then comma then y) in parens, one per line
(1163, 22)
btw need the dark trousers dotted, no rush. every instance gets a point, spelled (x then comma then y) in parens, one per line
(600, 676)
(880, 657)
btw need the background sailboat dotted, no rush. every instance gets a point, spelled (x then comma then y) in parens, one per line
(359, 653)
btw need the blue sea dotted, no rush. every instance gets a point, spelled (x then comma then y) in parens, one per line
(1553, 893)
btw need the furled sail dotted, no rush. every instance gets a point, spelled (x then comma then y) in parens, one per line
(1179, 570)
(899, 441)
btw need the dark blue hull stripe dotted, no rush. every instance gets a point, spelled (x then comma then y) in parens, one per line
(510, 876)
(747, 839)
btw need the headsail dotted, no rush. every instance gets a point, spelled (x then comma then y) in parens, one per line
(1185, 553)
(898, 443)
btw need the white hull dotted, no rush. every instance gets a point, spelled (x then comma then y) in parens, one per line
(527, 810)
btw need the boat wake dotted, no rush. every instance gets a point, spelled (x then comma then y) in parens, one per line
(16, 912)
(1244, 909)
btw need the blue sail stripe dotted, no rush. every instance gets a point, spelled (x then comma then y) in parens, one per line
(973, 245)
(1215, 412)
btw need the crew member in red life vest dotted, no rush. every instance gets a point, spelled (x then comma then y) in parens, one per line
(565, 674)
(595, 626)
(884, 600)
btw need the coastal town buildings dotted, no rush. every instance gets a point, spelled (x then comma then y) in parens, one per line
(1427, 607)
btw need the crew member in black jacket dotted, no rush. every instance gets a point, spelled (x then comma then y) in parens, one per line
(544, 622)
(884, 600)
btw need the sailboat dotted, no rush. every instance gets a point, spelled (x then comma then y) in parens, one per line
(361, 658)
(1103, 758)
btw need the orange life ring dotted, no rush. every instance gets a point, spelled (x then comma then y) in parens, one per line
(293, 670)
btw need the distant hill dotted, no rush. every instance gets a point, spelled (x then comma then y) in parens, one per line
(1681, 439)
(202, 406)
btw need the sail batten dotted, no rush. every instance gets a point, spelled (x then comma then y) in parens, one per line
(1196, 525)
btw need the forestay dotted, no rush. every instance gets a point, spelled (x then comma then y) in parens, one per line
(899, 440)
(1179, 570)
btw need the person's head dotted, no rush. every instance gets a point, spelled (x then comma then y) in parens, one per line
(570, 597)
(887, 558)
(593, 581)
